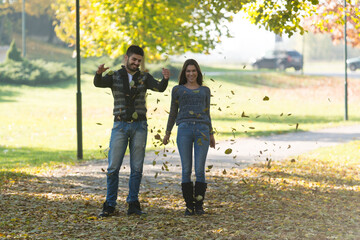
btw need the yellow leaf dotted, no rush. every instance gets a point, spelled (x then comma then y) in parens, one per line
(228, 151)
(134, 115)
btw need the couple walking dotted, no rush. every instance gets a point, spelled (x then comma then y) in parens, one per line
(190, 110)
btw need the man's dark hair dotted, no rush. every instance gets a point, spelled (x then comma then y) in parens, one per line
(134, 49)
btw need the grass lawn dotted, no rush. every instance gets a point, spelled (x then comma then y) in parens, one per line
(39, 124)
(314, 196)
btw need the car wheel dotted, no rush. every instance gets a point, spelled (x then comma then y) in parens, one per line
(282, 67)
(352, 67)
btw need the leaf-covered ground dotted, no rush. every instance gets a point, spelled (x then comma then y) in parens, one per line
(315, 196)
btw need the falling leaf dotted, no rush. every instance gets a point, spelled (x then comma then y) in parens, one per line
(228, 151)
(103, 170)
(134, 115)
(281, 114)
(157, 137)
(210, 166)
(157, 152)
(244, 66)
(297, 126)
(293, 160)
(156, 174)
(191, 112)
(154, 163)
(252, 127)
(219, 109)
(232, 92)
(155, 109)
(257, 116)
(224, 171)
(199, 198)
(266, 98)
(289, 146)
(243, 115)
(157, 100)
(289, 114)
(205, 109)
(212, 79)
(99, 123)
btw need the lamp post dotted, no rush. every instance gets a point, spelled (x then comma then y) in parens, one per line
(23, 15)
(78, 94)
(346, 85)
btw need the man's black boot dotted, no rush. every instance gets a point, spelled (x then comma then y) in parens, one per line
(107, 210)
(200, 189)
(134, 208)
(188, 194)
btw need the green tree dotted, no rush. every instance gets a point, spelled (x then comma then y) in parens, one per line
(35, 8)
(168, 27)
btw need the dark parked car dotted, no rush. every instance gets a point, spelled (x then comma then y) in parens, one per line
(280, 59)
(353, 63)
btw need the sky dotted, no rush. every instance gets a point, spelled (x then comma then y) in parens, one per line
(248, 42)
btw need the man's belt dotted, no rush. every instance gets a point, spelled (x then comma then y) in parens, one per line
(118, 118)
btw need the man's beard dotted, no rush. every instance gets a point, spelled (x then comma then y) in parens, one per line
(131, 67)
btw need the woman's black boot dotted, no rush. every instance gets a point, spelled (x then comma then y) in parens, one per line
(200, 189)
(188, 194)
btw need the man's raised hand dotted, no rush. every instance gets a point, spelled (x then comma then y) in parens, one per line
(101, 69)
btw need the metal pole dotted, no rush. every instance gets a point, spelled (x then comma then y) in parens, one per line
(23, 29)
(78, 94)
(346, 84)
(303, 54)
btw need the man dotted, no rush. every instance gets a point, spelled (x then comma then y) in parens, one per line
(128, 86)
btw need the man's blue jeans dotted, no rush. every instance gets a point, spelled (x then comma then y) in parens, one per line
(193, 135)
(135, 134)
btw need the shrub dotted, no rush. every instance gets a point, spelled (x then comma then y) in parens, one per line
(35, 73)
(156, 71)
(13, 53)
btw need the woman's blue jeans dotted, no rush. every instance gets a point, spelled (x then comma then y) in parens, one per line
(134, 133)
(193, 135)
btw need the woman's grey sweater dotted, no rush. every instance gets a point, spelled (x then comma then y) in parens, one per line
(189, 105)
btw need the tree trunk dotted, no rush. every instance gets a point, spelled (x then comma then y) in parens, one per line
(51, 32)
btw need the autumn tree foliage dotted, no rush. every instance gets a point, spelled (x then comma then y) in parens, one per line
(330, 18)
(169, 27)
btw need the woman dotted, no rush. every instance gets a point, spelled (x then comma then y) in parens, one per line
(190, 109)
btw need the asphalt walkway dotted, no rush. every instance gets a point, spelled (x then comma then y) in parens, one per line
(245, 151)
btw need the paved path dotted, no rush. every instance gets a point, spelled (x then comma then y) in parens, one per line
(245, 151)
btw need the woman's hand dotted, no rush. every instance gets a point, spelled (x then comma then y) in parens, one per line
(212, 141)
(166, 139)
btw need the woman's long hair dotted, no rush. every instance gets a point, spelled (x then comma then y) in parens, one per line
(182, 77)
